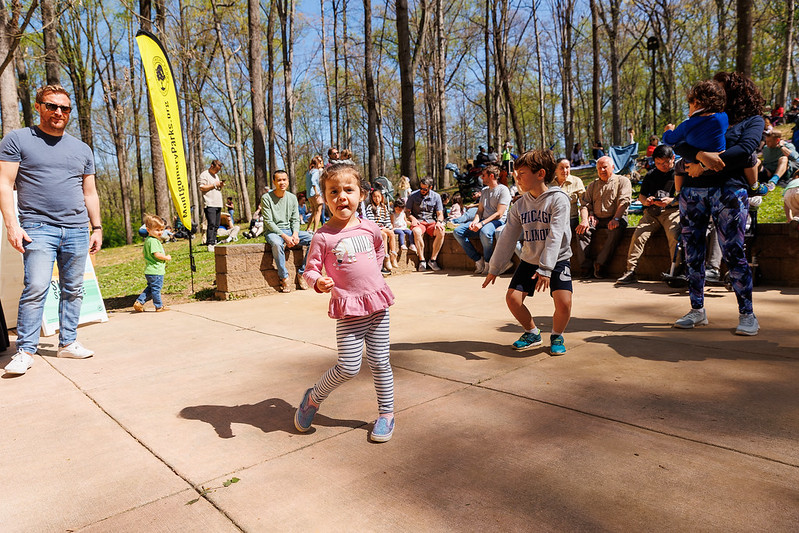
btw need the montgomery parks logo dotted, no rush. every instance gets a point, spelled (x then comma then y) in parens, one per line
(162, 75)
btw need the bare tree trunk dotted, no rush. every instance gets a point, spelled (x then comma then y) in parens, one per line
(257, 99)
(79, 68)
(23, 90)
(9, 103)
(722, 9)
(596, 104)
(487, 71)
(371, 100)
(336, 96)
(136, 108)
(565, 15)
(346, 57)
(234, 111)
(285, 11)
(408, 144)
(191, 122)
(787, 51)
(541, 123)
(160, 188)
(327, 75)
(52, 66)
(270, 94)
(743, 55)
(441, 105)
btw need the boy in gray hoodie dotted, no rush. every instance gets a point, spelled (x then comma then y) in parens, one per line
(541, 218)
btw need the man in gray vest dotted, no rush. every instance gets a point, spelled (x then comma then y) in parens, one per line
(57, 202)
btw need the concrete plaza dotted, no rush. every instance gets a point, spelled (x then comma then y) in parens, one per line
(639, 427)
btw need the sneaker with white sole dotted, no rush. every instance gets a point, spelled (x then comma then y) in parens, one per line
(695, 317)
(383, 429)
(627, 278)
(422, 266)
(527, 341)
(556, 345)
(747, 325)
(433, 265)
(20, 363)
(479, 266)
(412, 248)
(74, 351)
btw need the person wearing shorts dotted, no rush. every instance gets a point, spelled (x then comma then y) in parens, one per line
(425, 213)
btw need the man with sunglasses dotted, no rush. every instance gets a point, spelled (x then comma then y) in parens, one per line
(57, 201)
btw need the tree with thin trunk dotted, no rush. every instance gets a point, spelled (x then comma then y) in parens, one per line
(257, 98)
(743, 55)
(327, 75)
(371, 104)
(270, 92)
(50, 24)
(9, 102)
(564, 10)
(76, 31)
(285, 12)
(163, 204)
(595, 100)
(787, 50)
(23, 88)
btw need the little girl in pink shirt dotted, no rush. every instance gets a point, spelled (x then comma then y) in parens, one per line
(351, 251)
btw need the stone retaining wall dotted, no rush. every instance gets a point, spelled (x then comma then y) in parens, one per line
(249, 270)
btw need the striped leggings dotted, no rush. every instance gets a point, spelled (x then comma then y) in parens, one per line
(351, 332)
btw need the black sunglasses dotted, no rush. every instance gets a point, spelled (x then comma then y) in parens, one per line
(52, 107)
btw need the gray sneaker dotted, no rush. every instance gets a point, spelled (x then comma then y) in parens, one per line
(479, 266)
(433, 265)
(747, 325)
(627, 278)
(422, 266)
(696, 317)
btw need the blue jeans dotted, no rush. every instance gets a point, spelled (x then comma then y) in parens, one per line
(467, 216)
(462, 234)
(279, 250)
(49, 244)
(403, 234)
(153, 290)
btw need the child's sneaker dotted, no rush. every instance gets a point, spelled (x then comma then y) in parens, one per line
(404, 247)
(557, 347)
(412, 248)
(382, 430)
(527, 341)
(138, 306)
(305, 413)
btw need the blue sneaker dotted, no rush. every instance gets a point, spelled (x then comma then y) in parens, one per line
(527, 341)
(305, 413)
(383, 429)
(557, 347)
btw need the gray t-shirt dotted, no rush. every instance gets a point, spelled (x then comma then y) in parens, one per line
(50, 178)
(491, 199)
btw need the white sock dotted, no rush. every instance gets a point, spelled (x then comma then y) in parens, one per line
(535, 331)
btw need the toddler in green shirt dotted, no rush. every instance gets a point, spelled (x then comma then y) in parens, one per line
(155, 264)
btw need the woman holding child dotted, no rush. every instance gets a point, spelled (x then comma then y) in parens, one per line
(717, 189)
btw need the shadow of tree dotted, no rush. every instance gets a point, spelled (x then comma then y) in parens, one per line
(273, 414)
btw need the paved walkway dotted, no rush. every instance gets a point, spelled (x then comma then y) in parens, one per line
(639, 427)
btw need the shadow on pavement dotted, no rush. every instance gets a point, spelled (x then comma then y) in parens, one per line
(468, 349)
(269, 415)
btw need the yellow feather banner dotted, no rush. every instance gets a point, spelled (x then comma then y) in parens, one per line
(163, 95)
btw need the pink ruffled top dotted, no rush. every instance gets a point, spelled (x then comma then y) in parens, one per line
(352, 257)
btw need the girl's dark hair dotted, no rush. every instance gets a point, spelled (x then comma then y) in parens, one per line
(535, 160)
(340, 168)
(457, 199)
(399, 202)
(708, 95)
(743, 97)
(382, 197)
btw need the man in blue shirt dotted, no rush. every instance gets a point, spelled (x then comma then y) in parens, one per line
(57, 201)
(426, 215)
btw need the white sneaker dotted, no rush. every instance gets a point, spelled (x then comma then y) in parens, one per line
(479, 266)
(695, 317)
(412, 248)
(747, 325)
(20, 363)
(404, 247)
(210, 247)
(74, 351)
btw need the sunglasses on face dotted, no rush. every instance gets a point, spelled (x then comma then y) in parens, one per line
(52, 107)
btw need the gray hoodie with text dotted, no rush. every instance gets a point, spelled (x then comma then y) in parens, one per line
(543, 225)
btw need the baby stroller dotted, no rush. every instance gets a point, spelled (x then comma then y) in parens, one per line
(383, 184)
(469, 182)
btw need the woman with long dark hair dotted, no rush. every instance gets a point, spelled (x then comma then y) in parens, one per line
(721, 193)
